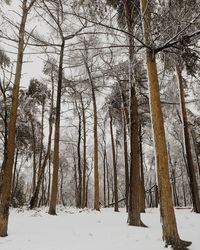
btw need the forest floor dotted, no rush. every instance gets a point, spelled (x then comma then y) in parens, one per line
(74, 229)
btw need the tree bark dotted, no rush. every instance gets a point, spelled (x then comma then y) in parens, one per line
(142, 190)
(84, 154)
(190, 164)
(104, 172)
(116, 206)
(41, 137)
(5, 195)
(79, 191)
(135, 181)
(95, 134)
(34, 152)
(125, 144)
(134, 218)
(34, 198)
(169, 227)
(54, 185)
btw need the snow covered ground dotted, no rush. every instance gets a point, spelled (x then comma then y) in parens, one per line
(74, 229)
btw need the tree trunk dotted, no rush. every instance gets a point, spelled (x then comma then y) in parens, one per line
(169, 227)
(134, 189)
(104, 164)
(14, 173)
(125, 119)
(54, 185)
(96, 164)
(135, 180)
(95, 134)
(5, 194)
(84, 155)
(142, 190)
(34, 199)
(116, 207)
(196, 151)
(186, 136)
(5, 122)
(79, 161)
(34, 152)
(41, 137)
(126, 168)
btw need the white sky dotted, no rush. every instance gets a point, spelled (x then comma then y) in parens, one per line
(33, 63)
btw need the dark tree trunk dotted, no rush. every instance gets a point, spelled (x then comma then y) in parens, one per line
(95, 135)
(54, 186)
(191, 169)
(84, 154)
(116, 207)
(79, 194)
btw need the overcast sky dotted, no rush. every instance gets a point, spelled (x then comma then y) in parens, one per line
(33, 63)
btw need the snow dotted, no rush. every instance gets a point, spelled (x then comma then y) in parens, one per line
(74, 229)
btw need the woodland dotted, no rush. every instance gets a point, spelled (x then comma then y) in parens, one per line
(99, 108)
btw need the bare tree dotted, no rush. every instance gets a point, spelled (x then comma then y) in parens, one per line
(5, 192)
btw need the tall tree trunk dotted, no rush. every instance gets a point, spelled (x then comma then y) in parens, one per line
(54, 185)
(125, 120)
(79, 194)
(75, 179)
(49, 180)
(96, 164)
(41, 137)
(116, 207)
(169, 227)
(34, 152)
(134, 218)
(142, 190)
(196, 151)
(126, 167)
(5, 121)
(190, 163)
(34, 198)
(95, 134)
(135, 180)
(104, 163)
(104, 175)
(14, 173)
(107, 180)
(5, 194)
(84, 154)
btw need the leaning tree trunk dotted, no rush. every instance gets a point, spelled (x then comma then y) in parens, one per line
(116, 207)
(5, 194)
(54, 185)
(169, 227)
(190, 163)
